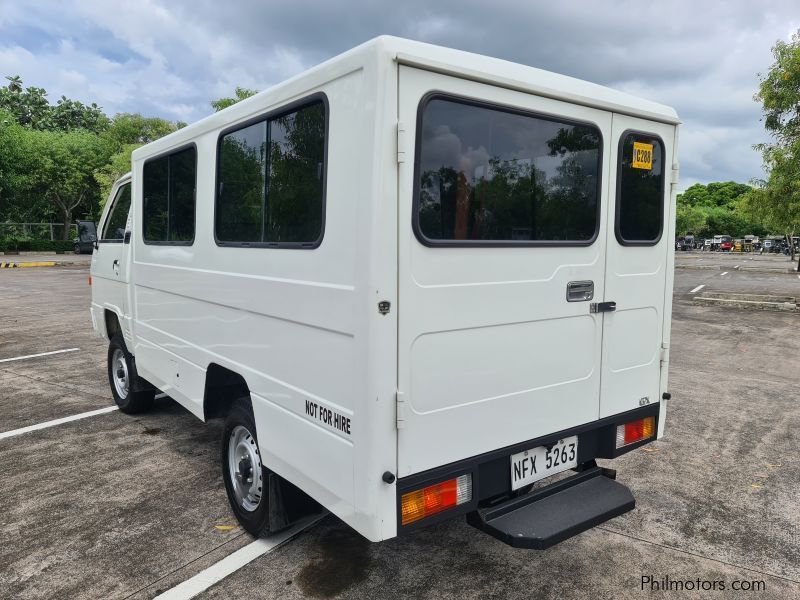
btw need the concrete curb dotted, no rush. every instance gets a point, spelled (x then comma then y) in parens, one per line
(19, 265)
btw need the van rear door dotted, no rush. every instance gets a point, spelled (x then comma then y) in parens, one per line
(639, 241)
(502, 238)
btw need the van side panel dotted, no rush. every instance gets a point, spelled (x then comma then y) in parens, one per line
(286, 320)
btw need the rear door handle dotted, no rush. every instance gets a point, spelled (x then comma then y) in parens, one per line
(598, 307)
(580, 291)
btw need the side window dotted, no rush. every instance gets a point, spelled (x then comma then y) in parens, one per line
(168, 185)
(114, 228)
(271, 181)
(497, 176)
(640, 190)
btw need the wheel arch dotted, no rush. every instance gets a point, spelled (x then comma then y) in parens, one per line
(112, 323)
(222, 388)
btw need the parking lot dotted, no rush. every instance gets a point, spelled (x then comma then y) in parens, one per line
(114, 506)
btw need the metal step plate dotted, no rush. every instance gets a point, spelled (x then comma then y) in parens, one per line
(550, 515)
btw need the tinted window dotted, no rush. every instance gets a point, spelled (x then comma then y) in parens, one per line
(169, 197)
(118, 215)
(155, 182)
(181, 195)
(640, 193)
(242, 184)
(271, 180)
(487, 174)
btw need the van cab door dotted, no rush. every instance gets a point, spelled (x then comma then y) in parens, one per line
(502, 234)
(110, 258)
(638, 273)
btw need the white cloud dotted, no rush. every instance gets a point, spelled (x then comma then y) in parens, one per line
(169, 58)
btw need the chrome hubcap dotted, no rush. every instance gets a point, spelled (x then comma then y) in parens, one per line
(244, 466)
(119, 373)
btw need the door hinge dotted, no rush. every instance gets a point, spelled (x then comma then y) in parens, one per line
(401, 409)
(675, 175)
(401, 142)
(664, 354)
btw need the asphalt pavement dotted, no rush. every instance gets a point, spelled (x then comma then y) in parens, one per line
(114, 506)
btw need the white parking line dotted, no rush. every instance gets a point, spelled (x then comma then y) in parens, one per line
(736, 267)
(54, 422)
(230, 564)
(725, 273)
(37, 355)
(697, 289)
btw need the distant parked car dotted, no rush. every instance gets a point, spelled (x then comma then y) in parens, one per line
(725, 243)
(684, 243)
(87, 235)
(772, 246)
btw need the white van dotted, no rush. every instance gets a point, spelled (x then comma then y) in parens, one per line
(414, 281)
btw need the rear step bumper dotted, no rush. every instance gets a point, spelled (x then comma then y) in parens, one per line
(552, 514)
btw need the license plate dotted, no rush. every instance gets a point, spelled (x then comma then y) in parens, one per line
(538, 463)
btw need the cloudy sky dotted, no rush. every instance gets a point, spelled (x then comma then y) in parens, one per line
(168, 58)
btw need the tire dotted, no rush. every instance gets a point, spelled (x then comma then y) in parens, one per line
(123, 379)
(76, 248)
(246, 479)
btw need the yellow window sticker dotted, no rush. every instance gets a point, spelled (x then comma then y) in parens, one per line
(642, 156)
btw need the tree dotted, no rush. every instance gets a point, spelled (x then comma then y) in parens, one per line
(239, 95)
(777, 197)
(18, 167)
(716, 208)
(127, 132)
(65, 163)
(14, 83)
(690, 220)
(31, 108)
(133, 128)
(117, 165)
(722, 193)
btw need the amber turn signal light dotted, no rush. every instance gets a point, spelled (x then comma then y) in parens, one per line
(435, 498)
(635, 431)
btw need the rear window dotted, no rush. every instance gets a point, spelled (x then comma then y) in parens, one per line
(492, 175)
(640, 190)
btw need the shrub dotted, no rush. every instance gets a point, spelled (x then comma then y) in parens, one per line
(14, 244)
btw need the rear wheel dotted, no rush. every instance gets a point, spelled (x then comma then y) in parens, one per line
(77, 248)
(246, 478)
(124, 381)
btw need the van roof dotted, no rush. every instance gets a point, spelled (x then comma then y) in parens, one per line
(448, 61)
(524, 78)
